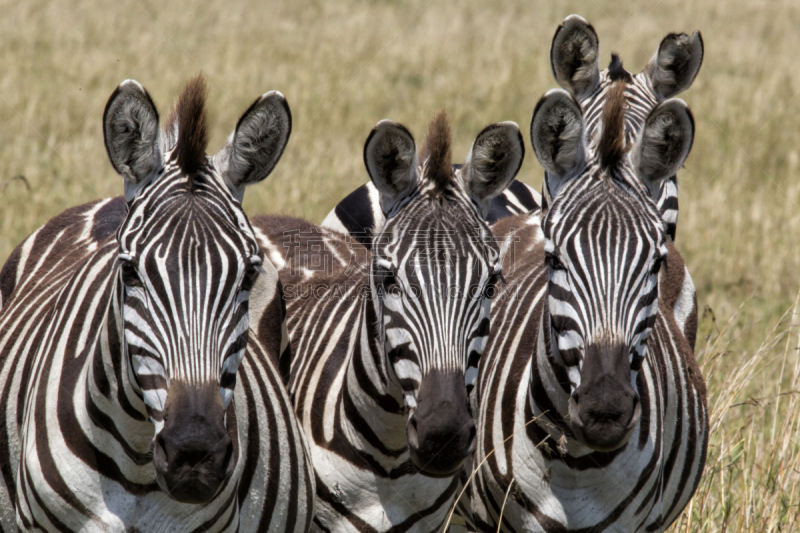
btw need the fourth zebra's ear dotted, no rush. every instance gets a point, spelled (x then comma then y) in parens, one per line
(574, 58)
(390, 156)
(559, 140)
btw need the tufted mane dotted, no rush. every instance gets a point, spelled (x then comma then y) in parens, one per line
(612, 145)
(436, 153)
(616, 71)
(190, 120)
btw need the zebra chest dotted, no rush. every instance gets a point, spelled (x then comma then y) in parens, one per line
(350, 497)
(155, 513)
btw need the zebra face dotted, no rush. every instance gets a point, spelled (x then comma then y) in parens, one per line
(186, 274)
(434, 278)
(434, 269)
(604, 244)
(603, 258)
(188, 259)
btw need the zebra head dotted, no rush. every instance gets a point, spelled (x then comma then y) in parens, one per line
(574, 58)
(604, 244)
(433, 271)
(188, 259)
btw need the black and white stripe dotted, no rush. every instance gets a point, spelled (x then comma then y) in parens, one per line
(383, 340)
(593, 335)
(122, 357)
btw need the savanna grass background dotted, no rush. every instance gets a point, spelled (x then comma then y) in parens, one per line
(345, 65)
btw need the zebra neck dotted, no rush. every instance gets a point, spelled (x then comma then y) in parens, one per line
(113, 401)
(372, 395)
(549, 387)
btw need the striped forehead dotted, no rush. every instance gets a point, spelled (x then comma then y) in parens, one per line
(178, 205)
(594, 204)
(448, 227)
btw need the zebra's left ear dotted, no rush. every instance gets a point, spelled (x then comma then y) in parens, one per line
(492, 162)
(257, 143)
(674, 67)
(574, 56)
(557, 136)
(664, 144)
(131, 135)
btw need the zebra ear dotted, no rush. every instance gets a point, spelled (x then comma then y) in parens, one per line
(390, 156)
(257, 143)
(492, 162)
(675, 64)
(131, 135)
(664, 144)
(557, 137)
(574, 56)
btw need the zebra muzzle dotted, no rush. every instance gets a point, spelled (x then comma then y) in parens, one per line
(193, 454)
(441, 433)
(605, 409)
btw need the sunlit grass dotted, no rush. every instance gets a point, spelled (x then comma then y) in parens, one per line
(752, 480)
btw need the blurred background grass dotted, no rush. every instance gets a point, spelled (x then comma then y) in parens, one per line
(345, 65)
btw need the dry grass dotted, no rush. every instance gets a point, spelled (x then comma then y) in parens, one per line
(752, 477)
(345, 65)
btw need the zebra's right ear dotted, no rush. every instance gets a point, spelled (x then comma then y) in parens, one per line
(131, 134)
(557, 137)
(676, 63)
(257, 143)
(664, 144)
(390, 156)
(574, 56)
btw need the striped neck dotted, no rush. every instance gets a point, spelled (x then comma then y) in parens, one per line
(549, 386)
(371, 393)
(114, 401)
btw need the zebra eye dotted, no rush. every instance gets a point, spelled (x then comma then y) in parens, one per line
(130, 277)
(491, 286)
(657, 263)
(553, 262)
(387, 280)
(249, 279)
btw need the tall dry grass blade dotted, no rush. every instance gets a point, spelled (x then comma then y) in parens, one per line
(503, 507)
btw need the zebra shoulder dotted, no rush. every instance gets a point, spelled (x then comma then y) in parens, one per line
(66, 239)
(676, 291)
(359, 214)
(523, 233)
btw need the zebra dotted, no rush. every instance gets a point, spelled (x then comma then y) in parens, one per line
(383, 341)
(590, 406)
(125, 329)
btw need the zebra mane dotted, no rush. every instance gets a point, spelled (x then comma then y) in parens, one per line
(189, 121)
(612, 147)
(436, 155)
